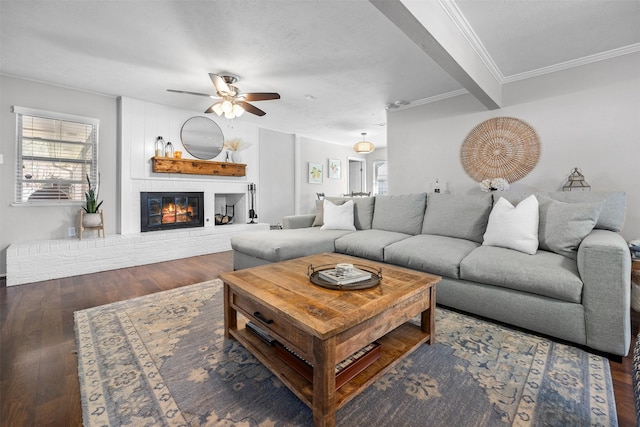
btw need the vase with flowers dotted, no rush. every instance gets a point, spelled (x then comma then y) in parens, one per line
(234, 147)
(494, 184)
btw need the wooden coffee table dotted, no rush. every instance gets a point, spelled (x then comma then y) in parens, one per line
(326, 326)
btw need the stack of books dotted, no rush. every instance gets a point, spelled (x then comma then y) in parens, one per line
(345, 370)
(341, 277)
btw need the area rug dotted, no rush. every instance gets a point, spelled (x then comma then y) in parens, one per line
(162, 359)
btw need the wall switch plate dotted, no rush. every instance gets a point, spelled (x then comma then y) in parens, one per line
(1, 159)
(71, 232)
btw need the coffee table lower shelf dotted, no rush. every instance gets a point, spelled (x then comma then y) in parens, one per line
(395, 345)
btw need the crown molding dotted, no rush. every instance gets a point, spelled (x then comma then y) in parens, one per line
(437, 98)
(451, 8)
(585, 60)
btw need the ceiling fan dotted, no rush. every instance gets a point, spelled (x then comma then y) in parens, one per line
(232, 103)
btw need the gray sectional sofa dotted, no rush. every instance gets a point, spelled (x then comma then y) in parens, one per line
(575, 287)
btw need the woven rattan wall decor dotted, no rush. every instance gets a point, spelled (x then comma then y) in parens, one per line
(502, 147)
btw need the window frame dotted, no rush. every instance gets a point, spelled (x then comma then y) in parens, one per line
(20, 113)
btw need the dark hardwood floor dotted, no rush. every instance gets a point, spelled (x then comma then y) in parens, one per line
(38, 372)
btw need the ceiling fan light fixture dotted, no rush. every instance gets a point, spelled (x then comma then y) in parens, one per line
(217, 108)
(227, 106)
(364, 147)
(238, 110)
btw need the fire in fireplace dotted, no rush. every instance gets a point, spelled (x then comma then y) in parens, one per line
(165, 211)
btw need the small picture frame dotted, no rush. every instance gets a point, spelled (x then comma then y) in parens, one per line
(335, 169)
(315, 173)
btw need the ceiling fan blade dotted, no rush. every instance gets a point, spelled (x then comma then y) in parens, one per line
(251, 109)
(192, 93)
(260, 96)
(210, 109)
(219, 83)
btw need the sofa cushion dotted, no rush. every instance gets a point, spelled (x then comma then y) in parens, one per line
(280, 245)
(514, 227)
(564, 225)
(368, 244)
(363, 211)
(464, 217)
(545, 273)
(613, 204)
(403, 213)
(338, 217)
(434, 254)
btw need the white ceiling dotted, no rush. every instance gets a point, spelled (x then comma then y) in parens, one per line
(345, 54)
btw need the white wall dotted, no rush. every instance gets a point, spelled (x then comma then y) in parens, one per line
(320, 152)
(586, 117)
(277, 176)
(22, 224)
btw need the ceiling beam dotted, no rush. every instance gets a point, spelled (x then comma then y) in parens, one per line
(427, 24)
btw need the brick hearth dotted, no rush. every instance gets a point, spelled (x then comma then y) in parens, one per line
(52, 259)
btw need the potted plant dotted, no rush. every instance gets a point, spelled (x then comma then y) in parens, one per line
(92, 217)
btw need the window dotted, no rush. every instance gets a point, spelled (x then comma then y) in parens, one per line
(55, 153)
(380, 177)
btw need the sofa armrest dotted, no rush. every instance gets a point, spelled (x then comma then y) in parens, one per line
(604, 263)
(298, 221)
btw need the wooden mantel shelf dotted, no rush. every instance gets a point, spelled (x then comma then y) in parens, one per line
(197, 167)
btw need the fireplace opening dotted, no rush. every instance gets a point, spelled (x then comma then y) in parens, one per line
(166, 211)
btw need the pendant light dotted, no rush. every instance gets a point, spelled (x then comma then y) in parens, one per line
(364, 147)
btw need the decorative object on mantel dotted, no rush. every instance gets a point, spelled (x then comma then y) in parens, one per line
(252, 211)
(494, 184)
(364, 147)
(235, 146)
(197, 167)
(500, 147)
(576, 182)
(159, 146)
(202, 138)
(168, 151)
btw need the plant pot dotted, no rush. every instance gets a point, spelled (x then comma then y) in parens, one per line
(91, 220)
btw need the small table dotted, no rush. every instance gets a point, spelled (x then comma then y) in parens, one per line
(325, 326)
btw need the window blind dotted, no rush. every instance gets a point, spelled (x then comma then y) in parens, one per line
(55, 153)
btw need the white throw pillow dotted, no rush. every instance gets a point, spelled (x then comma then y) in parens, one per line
(514, 227)
(338, 217)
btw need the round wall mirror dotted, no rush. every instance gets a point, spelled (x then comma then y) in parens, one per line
(202, 137)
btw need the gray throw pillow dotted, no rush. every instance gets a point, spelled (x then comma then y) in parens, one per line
(462, 217)
(362, 211)
(563, 226)
(402, 213)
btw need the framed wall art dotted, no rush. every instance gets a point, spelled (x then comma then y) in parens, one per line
(335, 169)
(315, 173)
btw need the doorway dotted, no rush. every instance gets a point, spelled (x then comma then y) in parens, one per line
(357, 178)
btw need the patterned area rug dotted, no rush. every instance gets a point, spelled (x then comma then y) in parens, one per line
(162, 359)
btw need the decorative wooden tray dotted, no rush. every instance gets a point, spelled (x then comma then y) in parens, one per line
(316, 279)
